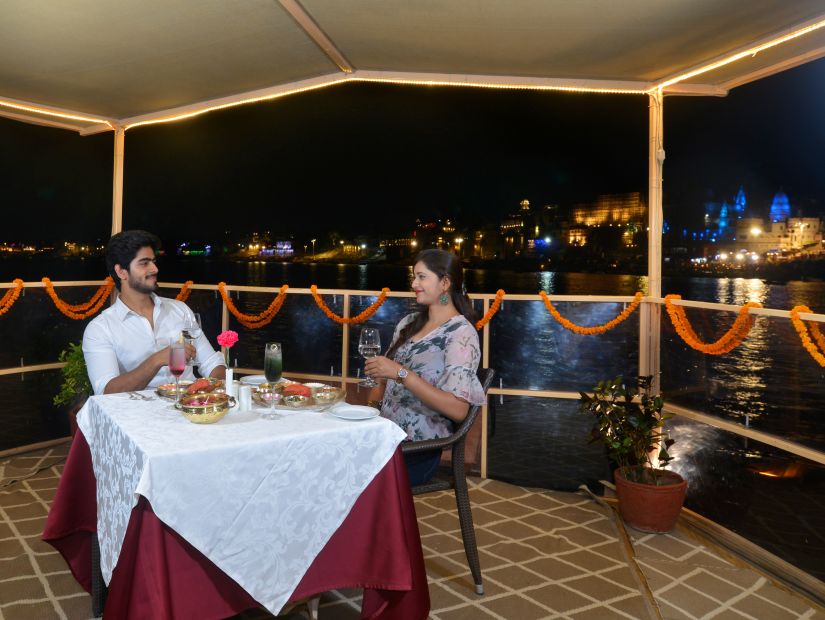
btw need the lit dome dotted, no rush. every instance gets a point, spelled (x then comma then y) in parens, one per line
(780, 208)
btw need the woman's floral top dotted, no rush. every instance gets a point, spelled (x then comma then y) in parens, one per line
(447, 358)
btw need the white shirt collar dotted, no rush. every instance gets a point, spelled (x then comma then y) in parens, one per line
(122, 310)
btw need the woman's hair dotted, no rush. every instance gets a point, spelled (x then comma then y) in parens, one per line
(442, 264)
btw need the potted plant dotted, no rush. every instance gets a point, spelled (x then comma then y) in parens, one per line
(76, 386)
(629, 422)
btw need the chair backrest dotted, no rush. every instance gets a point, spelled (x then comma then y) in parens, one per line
(485, 377)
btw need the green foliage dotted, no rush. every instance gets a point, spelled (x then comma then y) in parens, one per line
(76, 382)
(629, 422)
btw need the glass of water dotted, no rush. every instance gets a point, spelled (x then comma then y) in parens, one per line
(369, 345)
(192, 330)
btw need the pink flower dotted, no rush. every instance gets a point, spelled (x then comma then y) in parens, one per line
(228, 338)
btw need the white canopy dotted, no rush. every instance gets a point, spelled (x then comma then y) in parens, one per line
(91, 65)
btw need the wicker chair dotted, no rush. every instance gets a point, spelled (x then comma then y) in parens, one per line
(458, 479)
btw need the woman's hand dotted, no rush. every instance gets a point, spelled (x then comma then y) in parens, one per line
(380, 367)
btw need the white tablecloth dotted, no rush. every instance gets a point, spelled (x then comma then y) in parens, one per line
(259, 498)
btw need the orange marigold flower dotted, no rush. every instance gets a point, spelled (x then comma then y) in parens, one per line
(596, 329)
(82, 311)
(359, 318)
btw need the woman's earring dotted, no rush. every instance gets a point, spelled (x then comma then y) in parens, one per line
(443, 299)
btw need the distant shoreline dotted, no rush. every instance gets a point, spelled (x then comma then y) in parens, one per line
(804, 270)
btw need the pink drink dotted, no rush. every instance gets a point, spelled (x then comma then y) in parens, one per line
(177, 360)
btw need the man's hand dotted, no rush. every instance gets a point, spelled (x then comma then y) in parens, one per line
(161, 358)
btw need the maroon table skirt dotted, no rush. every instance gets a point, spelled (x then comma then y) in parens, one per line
(159, 575)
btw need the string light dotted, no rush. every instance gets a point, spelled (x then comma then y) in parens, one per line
(500, 85)
(474, 83)
(222, 106)
(48, 112)
(738, 56)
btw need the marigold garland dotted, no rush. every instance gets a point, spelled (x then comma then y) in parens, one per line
(254, 321)
(729, 340)
(596, 329)
(359, 318)
(491, 310)
(11, 296)
(78, 312)
(185, 291)
(802, 330)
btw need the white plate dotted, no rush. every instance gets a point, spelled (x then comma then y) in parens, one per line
(255, 380)
(354, 412)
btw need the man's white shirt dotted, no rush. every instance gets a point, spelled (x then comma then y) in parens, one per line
(118, 340)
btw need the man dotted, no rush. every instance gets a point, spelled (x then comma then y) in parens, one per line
(127, 346)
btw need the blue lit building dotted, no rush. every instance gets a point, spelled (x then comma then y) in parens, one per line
(723, 219)
(740, 203)
(780, 207)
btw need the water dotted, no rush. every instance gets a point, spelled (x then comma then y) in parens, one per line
(769, 383)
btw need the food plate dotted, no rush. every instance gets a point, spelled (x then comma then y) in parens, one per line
(354, 412)
(209, 384)
(167, 390)
(319, 400)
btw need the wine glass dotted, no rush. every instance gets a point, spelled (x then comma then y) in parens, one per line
(177, 364)
(192, 330)
(369, 345)
(273, 367)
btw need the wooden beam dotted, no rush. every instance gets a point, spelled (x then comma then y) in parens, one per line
(316, 33)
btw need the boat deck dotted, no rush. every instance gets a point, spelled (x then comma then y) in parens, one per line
(544, 554)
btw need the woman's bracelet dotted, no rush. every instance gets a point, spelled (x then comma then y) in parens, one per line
(374, 403)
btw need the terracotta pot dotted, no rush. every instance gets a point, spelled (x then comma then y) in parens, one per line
(648, 507)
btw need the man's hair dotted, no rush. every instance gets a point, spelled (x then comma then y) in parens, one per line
(124, 246)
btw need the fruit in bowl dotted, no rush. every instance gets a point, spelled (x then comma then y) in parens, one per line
(296, 389)
(204, 385)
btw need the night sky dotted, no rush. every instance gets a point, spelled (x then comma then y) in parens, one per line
(367, 158)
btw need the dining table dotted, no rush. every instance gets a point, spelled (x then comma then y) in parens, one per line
(207, 520)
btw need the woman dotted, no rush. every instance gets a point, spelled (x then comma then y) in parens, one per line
(429, 371)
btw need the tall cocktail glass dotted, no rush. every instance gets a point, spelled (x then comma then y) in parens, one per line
(177, 364)
(273, 367)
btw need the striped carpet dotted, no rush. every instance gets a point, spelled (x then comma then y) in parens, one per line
(544, 554)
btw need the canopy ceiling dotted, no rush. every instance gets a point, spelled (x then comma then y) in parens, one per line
(133, 61)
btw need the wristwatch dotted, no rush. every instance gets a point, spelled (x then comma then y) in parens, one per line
(402, 374)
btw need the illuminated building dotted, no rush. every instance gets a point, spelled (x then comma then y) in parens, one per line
(436, 234)
(780, 207)
(530, 231)
(796, 233)
(740, 203)
(620, 212)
